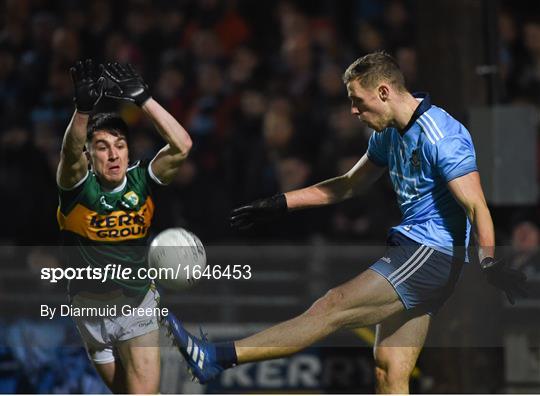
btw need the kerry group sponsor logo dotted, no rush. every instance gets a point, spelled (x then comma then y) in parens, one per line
(122, 225)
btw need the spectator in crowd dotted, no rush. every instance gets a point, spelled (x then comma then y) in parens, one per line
(525, 247)
(258, 85)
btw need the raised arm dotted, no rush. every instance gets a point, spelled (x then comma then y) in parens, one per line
(328, 192)
(73, 164)
(166, 162)
(131, 87)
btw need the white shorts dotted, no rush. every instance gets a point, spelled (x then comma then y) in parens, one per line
(102, 331)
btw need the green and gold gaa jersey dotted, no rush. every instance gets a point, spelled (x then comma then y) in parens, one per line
(101, 228)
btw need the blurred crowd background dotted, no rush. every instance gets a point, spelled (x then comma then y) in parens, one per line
(257, 84)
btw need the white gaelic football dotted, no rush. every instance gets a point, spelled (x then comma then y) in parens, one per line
(175, 253)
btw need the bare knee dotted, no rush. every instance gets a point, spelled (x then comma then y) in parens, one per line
(141, 365)
(113, 375)
(391, 379)
(140, 385)
(332, 301)
(393, 368)
(143, 376)
(328, 308)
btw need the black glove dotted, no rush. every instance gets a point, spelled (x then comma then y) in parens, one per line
(259, 211)
(123, 82)
(88, 89)
(509, 280)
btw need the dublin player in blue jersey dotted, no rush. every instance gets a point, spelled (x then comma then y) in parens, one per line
(431, 161)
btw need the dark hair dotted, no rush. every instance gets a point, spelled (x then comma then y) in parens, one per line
(110, 122)
(370, 69)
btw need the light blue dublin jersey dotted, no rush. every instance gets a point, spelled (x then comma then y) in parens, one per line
(432, 150)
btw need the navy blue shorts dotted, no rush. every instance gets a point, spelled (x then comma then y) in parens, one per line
(423, 277)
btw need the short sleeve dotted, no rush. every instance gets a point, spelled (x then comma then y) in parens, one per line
(377, 150)
(143, 177)
(455, 156)
(68, 197)
(152, 175)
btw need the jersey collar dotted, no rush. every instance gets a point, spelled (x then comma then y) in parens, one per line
(117, 188)
(425, 104)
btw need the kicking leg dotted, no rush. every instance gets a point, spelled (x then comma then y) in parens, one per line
(364, 300)
(398, 343)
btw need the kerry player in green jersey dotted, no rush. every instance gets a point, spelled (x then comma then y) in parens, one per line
(105, 213)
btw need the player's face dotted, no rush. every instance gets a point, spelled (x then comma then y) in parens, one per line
(369, 105)
(109, 157)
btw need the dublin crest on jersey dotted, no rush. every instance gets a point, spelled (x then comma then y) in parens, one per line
(415, 158)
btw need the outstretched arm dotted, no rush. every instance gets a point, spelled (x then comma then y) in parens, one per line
(352, 183)
(337, 189)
